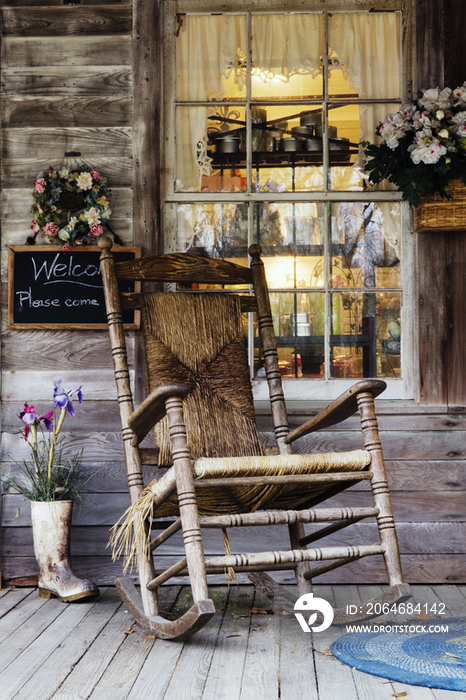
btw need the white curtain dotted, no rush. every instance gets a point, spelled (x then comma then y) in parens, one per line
(285, 45)
(211, 49)
(368, 50)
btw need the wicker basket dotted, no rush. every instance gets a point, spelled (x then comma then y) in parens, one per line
(439, 214)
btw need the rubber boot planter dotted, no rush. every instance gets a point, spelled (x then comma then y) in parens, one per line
(51, 522)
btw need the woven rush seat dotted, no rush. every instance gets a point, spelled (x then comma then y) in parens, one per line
(239, 499)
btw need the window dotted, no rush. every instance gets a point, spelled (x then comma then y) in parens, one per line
(262, 146)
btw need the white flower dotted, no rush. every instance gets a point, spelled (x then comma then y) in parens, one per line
(434, 98)
(84, 181)
(391, 135)
(426, 149)
(72, 223)
(460, 119)
(395, 126)
(439, 114)
(443, 134)
(92, 216)
(63, 234)
(63, 172)
(459, 94)
(421, 119)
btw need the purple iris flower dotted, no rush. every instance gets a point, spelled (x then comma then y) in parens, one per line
(62, 397)
(29, 417)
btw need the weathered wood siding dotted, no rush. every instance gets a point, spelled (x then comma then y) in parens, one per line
(86, 78)
(427, 476)
(67, 85)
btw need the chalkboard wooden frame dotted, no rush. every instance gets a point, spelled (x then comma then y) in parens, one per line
(56, 268)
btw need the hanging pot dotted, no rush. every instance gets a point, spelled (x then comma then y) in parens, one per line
(311, 119)
(290, 145)
(51, 523)
(228, 143)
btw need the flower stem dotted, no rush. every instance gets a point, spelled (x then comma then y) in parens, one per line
(53, 444)
(33, 429)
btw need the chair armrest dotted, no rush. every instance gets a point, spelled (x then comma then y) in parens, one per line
(152, 410)
(339, 410)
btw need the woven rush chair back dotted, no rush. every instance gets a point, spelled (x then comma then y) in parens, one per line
(198, 340)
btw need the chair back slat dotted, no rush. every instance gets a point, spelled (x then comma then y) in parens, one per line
(184, 268)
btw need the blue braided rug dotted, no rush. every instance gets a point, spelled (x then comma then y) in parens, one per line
(432, 660)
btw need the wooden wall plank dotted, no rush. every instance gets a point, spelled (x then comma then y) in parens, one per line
(67, 80)
(430, 44)
(431, 281)
(146, 126)
(422, 568)
(64, 111)
(66, 21)
(31, 52)
(53, 143)
(111, 477)
(16, 203)
(455, 30)
(414, 538)
(409, 445)
(98, 446)
(79, 349)
(147, 138)
(423, 506)
(399, 422)
(98, 384)
(21, 172)
(456, 295)
(50, 3)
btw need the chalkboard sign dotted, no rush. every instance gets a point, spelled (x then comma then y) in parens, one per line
(49, 287)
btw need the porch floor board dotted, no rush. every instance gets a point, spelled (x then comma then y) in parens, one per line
(95, 651)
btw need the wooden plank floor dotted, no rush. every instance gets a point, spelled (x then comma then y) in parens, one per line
(94, 651)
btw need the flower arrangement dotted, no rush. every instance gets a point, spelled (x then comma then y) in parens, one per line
(423, 145)
(49, 479)
(71, 207)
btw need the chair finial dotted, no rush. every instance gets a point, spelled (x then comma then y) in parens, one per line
(105, 242)
(255, 250)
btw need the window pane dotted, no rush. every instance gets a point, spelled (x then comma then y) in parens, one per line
(286, 152)
(366, 48)
(292, 239)
(298, 320)
(366, 244)
(365, 335)
(210, 145)
(218, 230)
(211, 58)
(286, 56)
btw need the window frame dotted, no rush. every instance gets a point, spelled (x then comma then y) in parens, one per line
(295, 389)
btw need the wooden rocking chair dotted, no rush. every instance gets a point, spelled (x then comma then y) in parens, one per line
(202, 409)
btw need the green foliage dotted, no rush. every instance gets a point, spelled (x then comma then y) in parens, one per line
(62, 484)
(414, 181)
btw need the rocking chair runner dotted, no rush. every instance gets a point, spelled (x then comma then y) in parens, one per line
(202, 409)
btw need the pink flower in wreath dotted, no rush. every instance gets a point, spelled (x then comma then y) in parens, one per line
(41, 185)
(50, 229)
(95, 174)
(96, 230)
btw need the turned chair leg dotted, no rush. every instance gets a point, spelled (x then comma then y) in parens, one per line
(379, 486)
(296, 532)
(189, 513)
